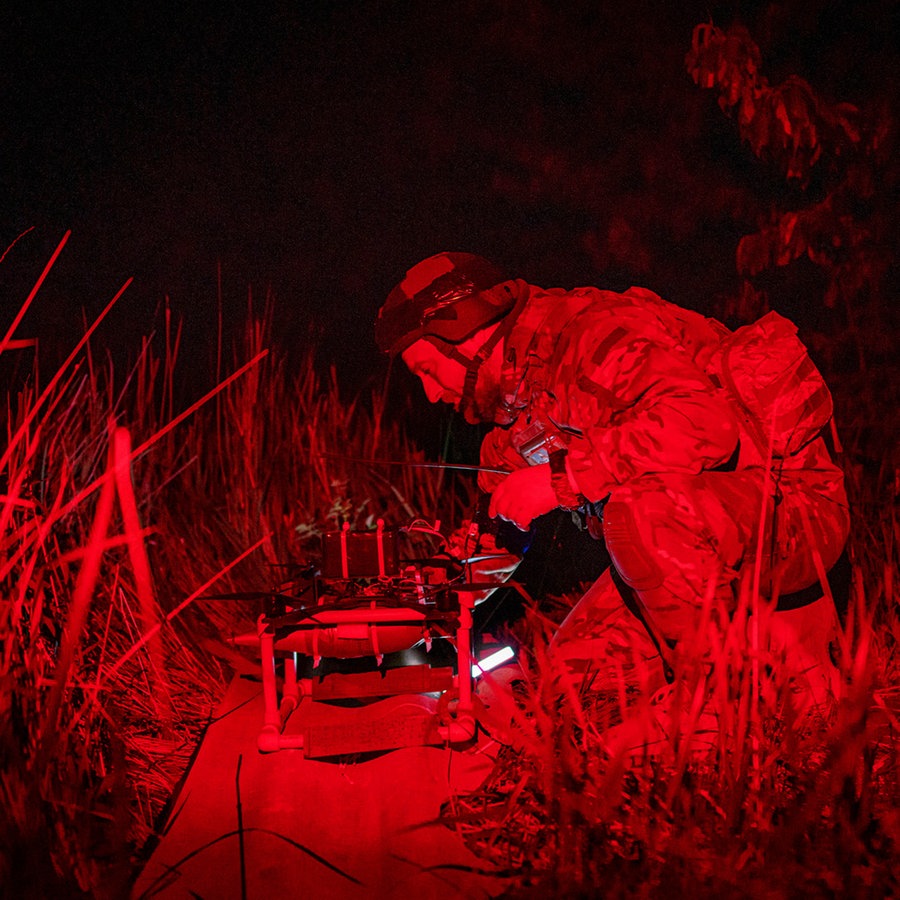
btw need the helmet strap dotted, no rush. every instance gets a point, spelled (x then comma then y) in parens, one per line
(473, 365)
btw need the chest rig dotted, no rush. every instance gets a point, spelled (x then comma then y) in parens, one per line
(533, 356)
(537, 434)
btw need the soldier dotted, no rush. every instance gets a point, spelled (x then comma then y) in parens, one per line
(623, 408)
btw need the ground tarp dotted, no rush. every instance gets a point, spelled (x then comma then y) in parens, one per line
(252, 825)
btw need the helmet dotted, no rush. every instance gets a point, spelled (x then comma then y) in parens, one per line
(441, 297)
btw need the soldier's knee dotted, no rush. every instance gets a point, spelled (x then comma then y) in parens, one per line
(629, 549)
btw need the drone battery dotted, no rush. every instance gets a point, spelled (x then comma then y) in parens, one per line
(360, 554)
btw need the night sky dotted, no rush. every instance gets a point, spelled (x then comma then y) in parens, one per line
(316, 150)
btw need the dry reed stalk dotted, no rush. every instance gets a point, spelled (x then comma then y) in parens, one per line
(17, 320)
(39, 401)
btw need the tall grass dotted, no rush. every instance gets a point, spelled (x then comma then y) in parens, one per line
(769, 812)
(85, 715)
(122, 504)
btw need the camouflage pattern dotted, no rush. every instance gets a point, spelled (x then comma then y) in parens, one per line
(602, 646)
(622, 380)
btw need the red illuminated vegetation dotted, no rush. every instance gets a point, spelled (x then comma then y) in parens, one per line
(121, 504)
(119, 511)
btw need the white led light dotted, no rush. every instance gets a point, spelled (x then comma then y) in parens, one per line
(492, 661)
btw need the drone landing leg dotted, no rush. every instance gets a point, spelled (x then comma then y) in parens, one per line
(272, 738)
(462, 728)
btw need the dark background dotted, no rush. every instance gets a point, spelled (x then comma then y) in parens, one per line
(311, 152)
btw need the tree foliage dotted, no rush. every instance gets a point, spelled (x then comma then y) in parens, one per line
(837, 157)
(787, 123)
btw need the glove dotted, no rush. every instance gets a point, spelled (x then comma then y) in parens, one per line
(524, 495)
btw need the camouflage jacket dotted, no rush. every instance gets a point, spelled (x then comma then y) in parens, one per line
(621, 381)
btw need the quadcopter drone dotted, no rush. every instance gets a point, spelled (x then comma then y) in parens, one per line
(365, 600)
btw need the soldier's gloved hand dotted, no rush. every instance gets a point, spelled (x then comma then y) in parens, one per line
(524, 495)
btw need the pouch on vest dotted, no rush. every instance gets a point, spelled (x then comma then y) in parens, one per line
(768, 372)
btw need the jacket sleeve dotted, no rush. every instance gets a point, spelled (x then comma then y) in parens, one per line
(640, 407)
